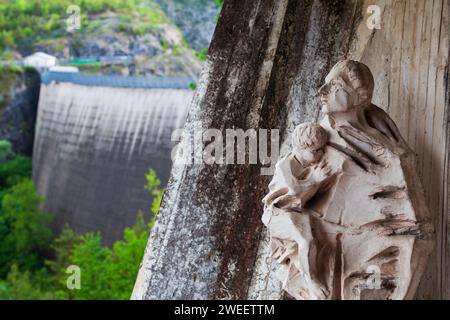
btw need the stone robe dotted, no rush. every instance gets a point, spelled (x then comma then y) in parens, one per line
(363, 231)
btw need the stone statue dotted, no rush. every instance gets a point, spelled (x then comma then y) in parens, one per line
(346, 211)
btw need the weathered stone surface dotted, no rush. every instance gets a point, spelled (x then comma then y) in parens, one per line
(205, 221)
(266, 61)
(196, 18)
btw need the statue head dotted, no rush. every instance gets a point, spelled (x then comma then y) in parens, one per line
(308, 141)
(349, 84)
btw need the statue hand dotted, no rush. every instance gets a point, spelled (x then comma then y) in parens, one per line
(321, 171)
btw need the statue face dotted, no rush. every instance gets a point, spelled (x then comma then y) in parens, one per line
(336, 94)
(307, 157)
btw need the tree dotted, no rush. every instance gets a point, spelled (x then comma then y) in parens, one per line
(127, 255)
(62, 247)
(105, 273)
(25, 238)
(14, 171)
(94, 261)
(152, 185)
(21, 286)
(6, 152)
(25, 228)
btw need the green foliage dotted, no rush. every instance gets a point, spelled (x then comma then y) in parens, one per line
(13, 171)
(193, 85)
(94, 260)
(202, 54)
(14, 69)
(20, 285)
(33, 266)
(105, 273)
(62, 247)
(154, 13)
(152, 185)
(126, 257)
(8, 75)
(25, 228)
(24, 234)
(23, 23)
(6, 151)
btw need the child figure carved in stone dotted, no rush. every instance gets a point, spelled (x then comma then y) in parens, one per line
(298, 177)
(299, 174)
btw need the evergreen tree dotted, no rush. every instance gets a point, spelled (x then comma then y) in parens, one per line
(24, 227)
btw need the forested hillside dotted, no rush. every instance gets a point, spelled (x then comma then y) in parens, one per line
(138, 29)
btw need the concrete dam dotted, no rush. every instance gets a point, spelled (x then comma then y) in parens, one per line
(95, 138)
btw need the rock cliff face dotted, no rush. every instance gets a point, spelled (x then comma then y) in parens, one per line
(155, 50)
(94, 143)
(151, 37)
(19, 94)
(196, 18)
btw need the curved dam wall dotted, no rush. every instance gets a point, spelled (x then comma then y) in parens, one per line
(94, 142)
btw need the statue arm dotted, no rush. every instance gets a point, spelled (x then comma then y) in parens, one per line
(292, 185)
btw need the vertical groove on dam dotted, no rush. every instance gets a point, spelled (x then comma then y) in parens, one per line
(93, 146)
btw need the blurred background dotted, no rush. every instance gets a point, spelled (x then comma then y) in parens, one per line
(90, 93)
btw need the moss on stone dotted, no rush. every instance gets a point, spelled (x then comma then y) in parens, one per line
(8, 75)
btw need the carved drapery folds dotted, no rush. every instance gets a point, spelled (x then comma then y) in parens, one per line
(346, 211)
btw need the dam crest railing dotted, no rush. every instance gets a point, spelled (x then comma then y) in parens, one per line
(118, 81)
